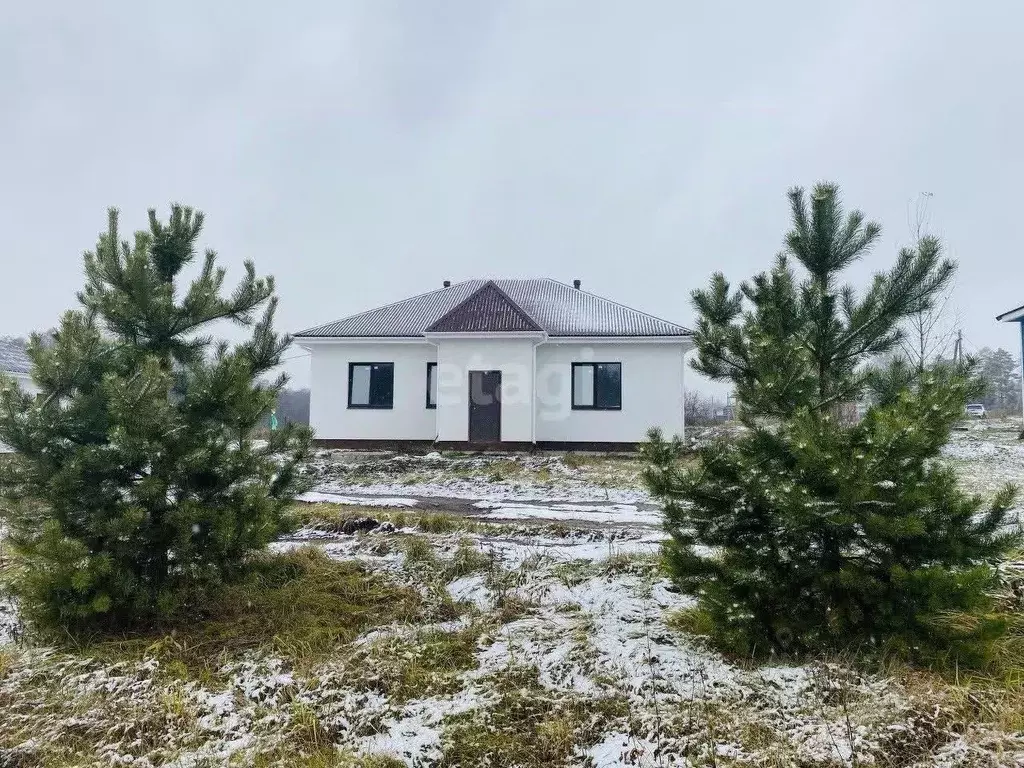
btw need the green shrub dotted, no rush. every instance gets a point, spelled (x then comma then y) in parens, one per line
(826, 534)
(137, 482)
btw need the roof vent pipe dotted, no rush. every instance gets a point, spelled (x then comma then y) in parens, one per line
(576, 284)
(447, 283)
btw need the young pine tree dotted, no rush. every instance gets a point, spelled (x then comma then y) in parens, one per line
(822, 534)
(137, 484)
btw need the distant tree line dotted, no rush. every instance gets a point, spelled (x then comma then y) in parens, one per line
(292, 407)
(700, 409)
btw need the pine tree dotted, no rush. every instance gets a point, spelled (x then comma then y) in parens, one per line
(137, 483)
(1001, 374)
(807, 532)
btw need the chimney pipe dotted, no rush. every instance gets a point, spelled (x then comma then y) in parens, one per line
(576, 284)
(447, 283)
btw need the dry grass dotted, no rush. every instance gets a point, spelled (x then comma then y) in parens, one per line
(988, 700)
(992, 695)
(427, 663)
(332, 518)
(528, 725)
(296, 754)
(300, 606)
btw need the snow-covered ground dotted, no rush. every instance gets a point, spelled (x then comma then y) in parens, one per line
(495, 477)
(987, 455)
(593, 628)
(565, 585)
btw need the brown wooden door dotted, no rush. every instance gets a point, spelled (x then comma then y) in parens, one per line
(484, 406)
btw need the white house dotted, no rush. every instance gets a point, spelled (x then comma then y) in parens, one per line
(515, 363)
(15, 363)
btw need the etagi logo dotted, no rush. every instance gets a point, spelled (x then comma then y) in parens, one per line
(552, 389)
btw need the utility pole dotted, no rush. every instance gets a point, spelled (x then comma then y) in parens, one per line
(958, 348)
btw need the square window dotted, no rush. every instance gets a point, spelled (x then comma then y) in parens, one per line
(371, 385)
(597, 386)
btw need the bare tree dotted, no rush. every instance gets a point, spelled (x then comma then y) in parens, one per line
(698, 408)
(929, 333)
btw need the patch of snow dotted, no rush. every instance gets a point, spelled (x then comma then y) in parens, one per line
(10, 623)
(350, 548)
(618, 749)
(472, 589)
(971, 451)
(629, 633)
(622, 514)
(470, 488)
(317, 497)
(414, 733)
(513, 553)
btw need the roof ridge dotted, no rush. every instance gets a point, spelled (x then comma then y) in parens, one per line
(523, 314)
(392, 304)
(617, 304)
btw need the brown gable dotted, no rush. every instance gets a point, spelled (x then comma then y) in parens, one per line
(488, 310)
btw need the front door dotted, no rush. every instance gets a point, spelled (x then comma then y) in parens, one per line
(484, 406)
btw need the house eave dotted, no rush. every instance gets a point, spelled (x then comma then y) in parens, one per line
(489, 335)
(306, 342)
(683, 339)
(1013, 316)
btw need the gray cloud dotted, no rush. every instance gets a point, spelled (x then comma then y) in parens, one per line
(363, 152)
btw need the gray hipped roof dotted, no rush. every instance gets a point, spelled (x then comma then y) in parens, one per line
(12, 356)
(501, 305)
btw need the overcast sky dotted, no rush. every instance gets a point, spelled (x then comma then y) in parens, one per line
(363, 152)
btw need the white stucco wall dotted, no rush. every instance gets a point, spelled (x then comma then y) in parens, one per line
(25, 382)
(652, 391)
(409, 419)
(513, 357)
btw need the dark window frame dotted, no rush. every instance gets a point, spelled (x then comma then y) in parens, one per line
(370, 406)
(430, 406)
(595, 406)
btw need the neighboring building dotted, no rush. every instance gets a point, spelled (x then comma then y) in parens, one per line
(1017, 316)
(487, 362)
(15, 363)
